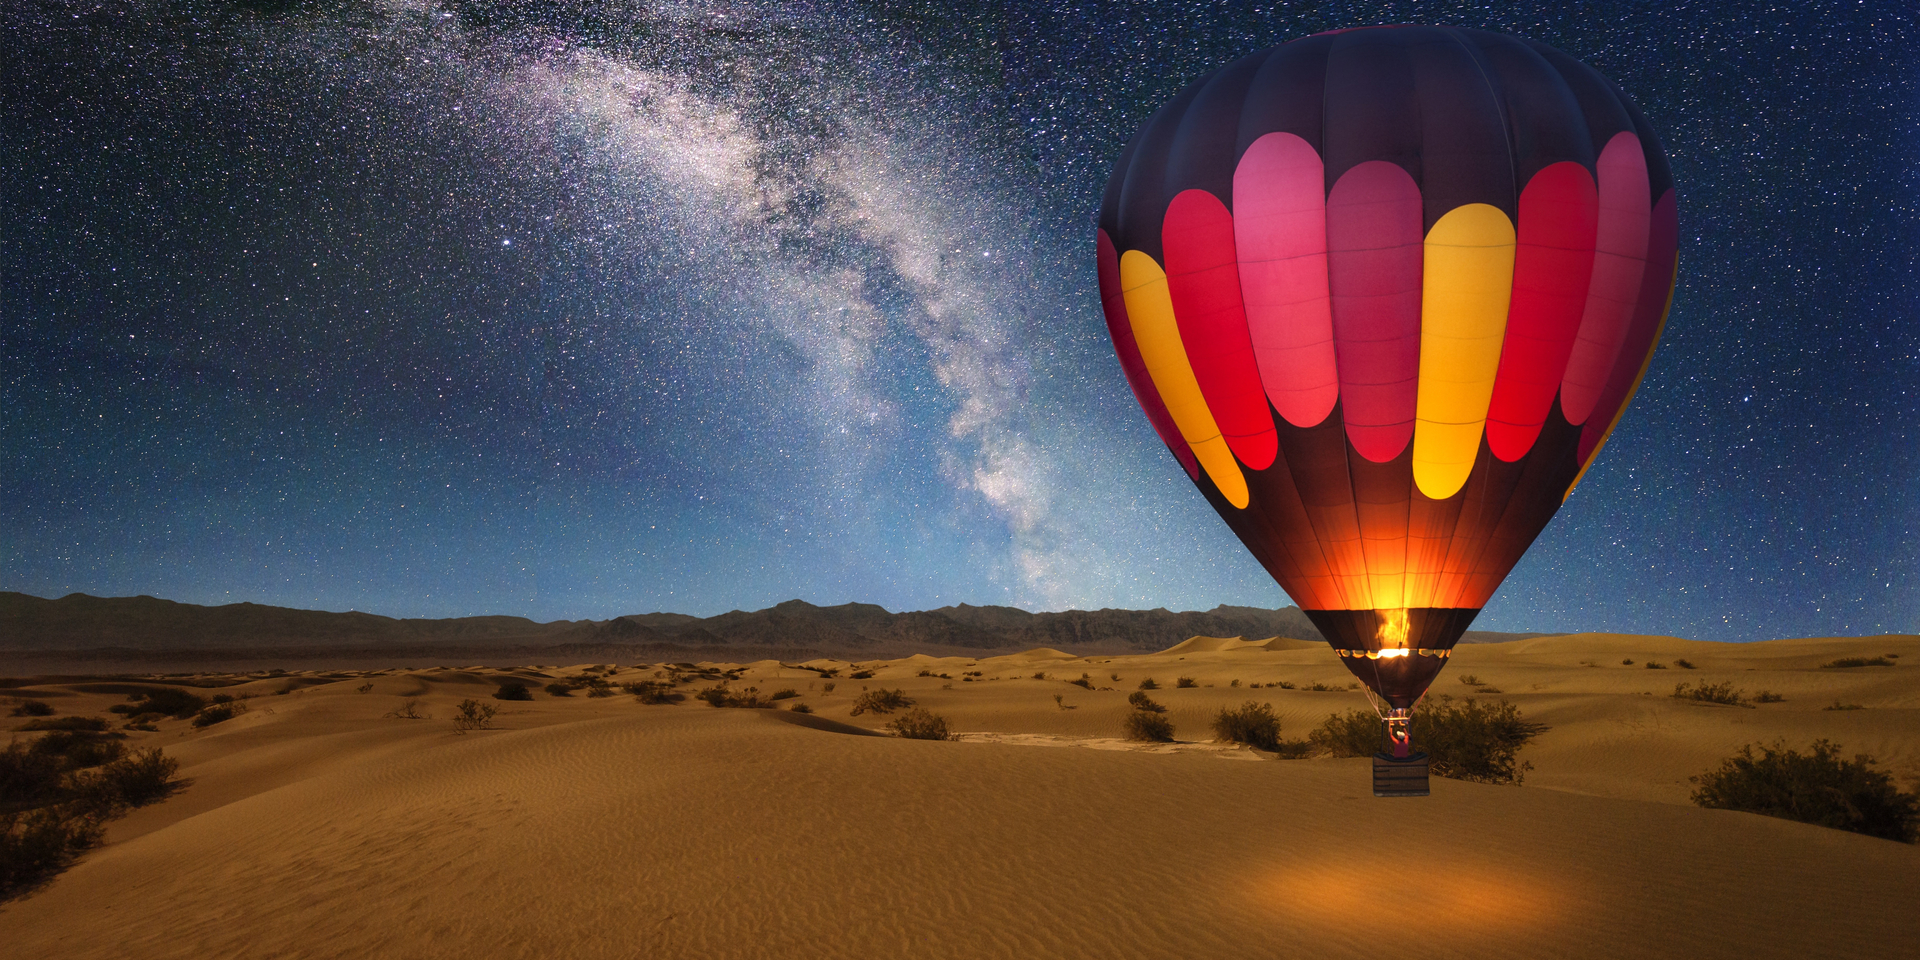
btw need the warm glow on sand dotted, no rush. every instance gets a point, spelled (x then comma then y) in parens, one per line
(1435, 895)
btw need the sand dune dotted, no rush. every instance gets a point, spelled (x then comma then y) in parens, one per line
(598, 827)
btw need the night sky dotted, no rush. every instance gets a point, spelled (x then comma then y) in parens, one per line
(579, 309)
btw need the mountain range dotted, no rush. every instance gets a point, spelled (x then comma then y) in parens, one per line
(83, 627)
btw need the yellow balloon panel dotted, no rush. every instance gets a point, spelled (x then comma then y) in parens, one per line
(1468, 267)
(1150, 313)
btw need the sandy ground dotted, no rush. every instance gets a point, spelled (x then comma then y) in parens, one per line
(317, 826)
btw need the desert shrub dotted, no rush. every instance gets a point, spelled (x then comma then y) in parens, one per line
(37, 844)
(1060, 700)
(860, 675)
(1041, 675)
(33, 708)
(800, 708)
(512, 690)
(826, 688)
(1082, 682)
(1294, 749)
(1318, 687)
(561, 690)
(1768, 696)
(1626, 663)
(654, 692)
(1684, 664)
(49, 817)
(1284, 684)
(924, 673)
(364, 688)
(1140, 701)
(977, 673)
(1655, 665)
(1845, 662)
(218, 713)
(28, 776)
(881, 701)
(78, 749)
(408, 710)
(1185, 682)
(1357, 733)
(785, 693)
(89, 724)
(178, 704)
(1148, 684)
(1837, 705)
(599, 688)
(918, 724)
(1704, 692)
(1150, 726)
(1816, 787)
(1234, 683)
(721, 695)
(1470, 740)
(1253, 724)
(1470, 680)
(144, 777)
(473, 715)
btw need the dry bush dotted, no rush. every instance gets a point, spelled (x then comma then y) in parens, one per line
(654, 691)
(513, 690)
(1356, 733)
(784, 693)
(1684, 664)
(1846, 662)
(1086, 682)
(50, 817)
(800, 708)
(473, 715)
(1253, 724)
(78, 749)
(721, 695)
(1140, 701)
(218, 713)
(409, 710)
(860, 675)
(1704, 692)
(1148, 684)
(32, 708)
(164, 701)
(1465, 740)
(881, 701)
(918, 724)
(1470, 680)
(1837, 705)
(1655, 665)
(1470, 740)
(1769, 696)
(1183, 683)
(1817, 787)
(1150, 726)
(560, 690)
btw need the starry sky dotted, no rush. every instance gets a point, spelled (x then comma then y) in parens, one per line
(576, 309)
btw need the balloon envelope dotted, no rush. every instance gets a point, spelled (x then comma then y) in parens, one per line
(1384, 293)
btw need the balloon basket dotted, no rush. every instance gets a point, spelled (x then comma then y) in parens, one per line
(1400, 777)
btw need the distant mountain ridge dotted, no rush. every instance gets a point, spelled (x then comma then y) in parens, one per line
(111, 626)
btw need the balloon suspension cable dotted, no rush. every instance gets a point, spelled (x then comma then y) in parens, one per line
(1397, 720)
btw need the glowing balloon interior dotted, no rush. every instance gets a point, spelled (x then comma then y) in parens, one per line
(1384, 293)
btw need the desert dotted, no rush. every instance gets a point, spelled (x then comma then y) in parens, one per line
(321, 822)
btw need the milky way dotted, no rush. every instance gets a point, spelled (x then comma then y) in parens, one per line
(575, 310)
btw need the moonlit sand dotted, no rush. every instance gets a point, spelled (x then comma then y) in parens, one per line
(316, 826)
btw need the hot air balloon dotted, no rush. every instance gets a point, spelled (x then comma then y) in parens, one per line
(1384, 293)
